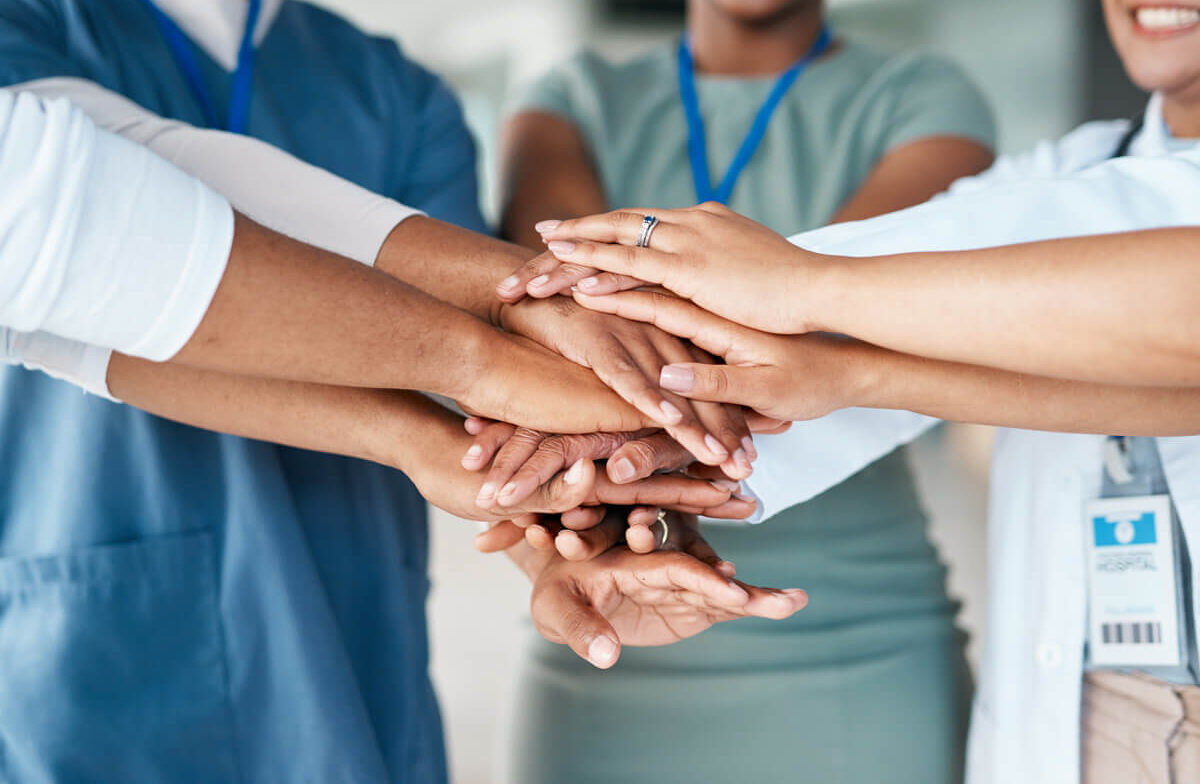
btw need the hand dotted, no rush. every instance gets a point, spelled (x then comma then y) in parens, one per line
(524, 383)
(523, 460)
(628, 357)
(724, 262)
(794, 378)
(441, 478)
(621, 598)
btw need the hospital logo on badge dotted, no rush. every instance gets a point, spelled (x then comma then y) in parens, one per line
(1124, 530)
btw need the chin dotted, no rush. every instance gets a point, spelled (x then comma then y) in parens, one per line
(1158, 41)
(762, 11)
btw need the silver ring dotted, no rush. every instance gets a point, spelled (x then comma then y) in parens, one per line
(662, 520)
(649, 224)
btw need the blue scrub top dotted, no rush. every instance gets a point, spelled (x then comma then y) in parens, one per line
(177, 605)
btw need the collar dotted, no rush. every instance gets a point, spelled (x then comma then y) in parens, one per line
(217, 25)
(1155, 138)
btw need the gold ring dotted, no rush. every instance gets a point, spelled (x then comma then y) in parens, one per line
(666, 528)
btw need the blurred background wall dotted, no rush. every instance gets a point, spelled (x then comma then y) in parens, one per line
(1046, 65)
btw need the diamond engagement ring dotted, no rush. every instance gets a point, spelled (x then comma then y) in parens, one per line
(666, 529)
(649, 224)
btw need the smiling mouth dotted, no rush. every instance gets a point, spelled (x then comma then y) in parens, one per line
(1165, 20)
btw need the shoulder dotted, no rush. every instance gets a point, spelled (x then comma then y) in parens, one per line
(375, 58)
(590, 79)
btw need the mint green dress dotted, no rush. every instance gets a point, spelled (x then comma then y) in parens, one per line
(869, 683)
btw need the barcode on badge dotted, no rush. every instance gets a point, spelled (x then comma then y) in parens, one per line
(1146, 633)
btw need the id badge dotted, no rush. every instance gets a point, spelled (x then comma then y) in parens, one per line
(1135, 607)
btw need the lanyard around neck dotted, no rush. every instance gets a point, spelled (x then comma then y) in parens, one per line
(238, 116)
(697, 140)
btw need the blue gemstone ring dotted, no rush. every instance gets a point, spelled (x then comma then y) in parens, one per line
(649, 224)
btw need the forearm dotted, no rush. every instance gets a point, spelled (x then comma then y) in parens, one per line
(1111, 309)
(970, 393)
(384, 426)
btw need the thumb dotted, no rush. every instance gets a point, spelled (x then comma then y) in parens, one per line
(563, 614)
(718, 383)
(566, 491)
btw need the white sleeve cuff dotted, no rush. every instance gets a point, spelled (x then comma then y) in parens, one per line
(67, 360)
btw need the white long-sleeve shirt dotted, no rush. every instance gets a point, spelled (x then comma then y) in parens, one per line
(101, 241)
(266, 184)
(1025, 723)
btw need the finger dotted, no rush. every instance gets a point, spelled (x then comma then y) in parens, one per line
(666, 490)
(623, 227)
(558, 280)
(489, 439)
(499, 537)
(685, 573)
(727, 423)
(761, 423)
(475, 425)
(608, 283)
(748, 386)
(641, 535)
(584, 517)
(563, 614)
(653, 265)
(540, 537)
(647, 456)
(554, 454)
(565, 491)
(512, 288)
(585, 545)
(520, 446)
(671, 314)
(739, 507)
(773, 604)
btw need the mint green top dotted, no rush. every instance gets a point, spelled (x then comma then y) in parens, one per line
(869, 682)
(841, 116)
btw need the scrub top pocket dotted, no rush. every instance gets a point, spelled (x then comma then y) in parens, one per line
(112, 666)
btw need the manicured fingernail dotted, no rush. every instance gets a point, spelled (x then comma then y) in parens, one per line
(510, 283)
(546, 226)
(486, 494)
(623, 470)
(602, 652)
(475, 452)
(539, 281)
(671, 414)
(716, 447)
(561, 247)
(746, 497)
(748, 445)
(742, 460)
(574, 473)
(726, 485)
(588, 283)
(677, 378)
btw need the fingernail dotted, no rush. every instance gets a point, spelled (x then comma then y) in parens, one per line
(748, 445)
(671, 414)
(561, 247)
(742, 460)
(574, 473)
(588, 283)
(726, 485)
(623, 470)
(716, 447)
(509, 283)
(677, 378)
(486, 494)
(602, 652)
(508, 491)
(746, 498)
(475, 452)
(539, 281)
(546, 226)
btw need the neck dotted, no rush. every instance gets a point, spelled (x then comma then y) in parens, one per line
(724, 44)
(1181, 111)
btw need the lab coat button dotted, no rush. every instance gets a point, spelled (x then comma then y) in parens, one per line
(1049, 655)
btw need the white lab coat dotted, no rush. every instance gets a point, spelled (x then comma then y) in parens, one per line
(1025, 724)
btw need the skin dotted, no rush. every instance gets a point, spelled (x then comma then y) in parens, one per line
(809, 376)
(400, 429)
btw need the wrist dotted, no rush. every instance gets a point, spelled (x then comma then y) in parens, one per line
(816, 291)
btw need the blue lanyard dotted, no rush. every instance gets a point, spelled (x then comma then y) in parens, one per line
(697, 141)
(238, 116)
